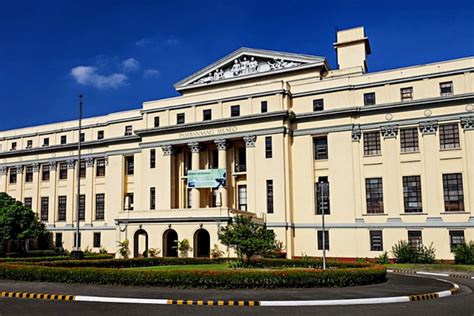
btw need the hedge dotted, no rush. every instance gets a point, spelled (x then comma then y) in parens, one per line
(235, 279)
(29, 260)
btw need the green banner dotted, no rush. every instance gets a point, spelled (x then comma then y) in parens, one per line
(207, 178)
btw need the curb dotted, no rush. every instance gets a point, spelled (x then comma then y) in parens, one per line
(408, 271)
(38, 296)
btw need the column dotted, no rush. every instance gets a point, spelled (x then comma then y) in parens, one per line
(53, 198)
(433, 180)
(222, 164)
(195, 194)
(19, 183)
(72, 194)
(391, 178)
(89, 191)
(251, 173)
(3, 178)
(36, 187)
(166, 185)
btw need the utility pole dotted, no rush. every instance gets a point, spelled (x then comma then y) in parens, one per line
(323, 198)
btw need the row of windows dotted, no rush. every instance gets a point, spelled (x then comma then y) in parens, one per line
(96, 240)
(406, 94)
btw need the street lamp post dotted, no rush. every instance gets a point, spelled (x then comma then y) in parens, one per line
(323, 206)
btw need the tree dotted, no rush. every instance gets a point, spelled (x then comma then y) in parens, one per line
(247, 238)
(18, 224)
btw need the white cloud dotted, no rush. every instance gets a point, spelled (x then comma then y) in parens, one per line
(151, 73)
(88, 76)
(131, 64)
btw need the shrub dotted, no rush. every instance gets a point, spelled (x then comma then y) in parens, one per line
(383, 258)
(183, 247)
(216, 252)
(405, 253)
(123, 249)
(464, 253)
(55, 258)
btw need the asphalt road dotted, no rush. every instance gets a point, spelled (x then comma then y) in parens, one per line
(459, 304)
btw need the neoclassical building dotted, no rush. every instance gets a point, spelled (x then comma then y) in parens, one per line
(253, 133)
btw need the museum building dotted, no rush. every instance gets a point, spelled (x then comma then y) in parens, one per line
(254, 133)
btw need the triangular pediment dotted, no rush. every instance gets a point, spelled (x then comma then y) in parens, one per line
(247, 62)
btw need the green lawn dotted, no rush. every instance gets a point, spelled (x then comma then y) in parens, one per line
(433, 267)
(202, 267)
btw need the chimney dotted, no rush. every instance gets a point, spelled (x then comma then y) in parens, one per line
(352, 48)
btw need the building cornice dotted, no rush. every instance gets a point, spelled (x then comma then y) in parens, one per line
(200, 219)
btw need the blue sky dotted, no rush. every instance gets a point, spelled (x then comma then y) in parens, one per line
(121, 53)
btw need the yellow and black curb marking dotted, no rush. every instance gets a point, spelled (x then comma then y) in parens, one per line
(407, 271)
(38, 296)
(214, 302)
(424, 297)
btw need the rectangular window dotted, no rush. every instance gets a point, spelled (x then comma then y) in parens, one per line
(62, 207)
(63, 139)
(268, 147)
(58, 241)
(28, 202)
(100, 206)
(180, 118)
(372, 144)
(241, 165)
(44, 213)
(29, 144)
(409, 140)
(326, 206)
(453, 192)
(45, 172)
(62, 171)
(13, 173)
(414, 238)
(214, 193)
(215, 159)
(152, 158)
(369, 98)
(130, 165)
(100, 134)
(156, 121)
(235, 110)
(96, 240)
(129, 201)
(128, 130)
(207, 115)
(82, 207)
(318, 105)
(270, 196)
(242, 190)
(264, 106)
(100, 168)
(456, 238)
(320, 148)
(449, 136)
(406, 94)
(45, 142)
(412, 194)
(446, 88)
(152, 198)
(83, 137)
(29, 174)
(78, 240)
(13, 146)
(374, 195)
(376, 241)
(82, 169)
(320, 240)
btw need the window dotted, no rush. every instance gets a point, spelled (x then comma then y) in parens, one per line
(100, 134)
(96, 240)
(13, 146)
(406, 94)
(28, 202)
(241, 165)
(215, 159)
(100, 168)
(129, 201)
(215, 193)
(235, 110)
(207, 115)
(412, 194)
(82, 207)
(369, 98)
(372, 144)
(29, 144)
(449, 136)
(453, 192)
(83, 137)
(152, 158)
(13, 172)
(128, 130)
(152, 198)
(268, 147)
(82, 169)
(62, 171)
(63, 139)
(156, 121)
(58, 241)
(456, 238)
(99, 206)
(62, 204)
(374, 195)
(190, 195)
(264, 106)
(180, 118)
(79, 240)
(414, 238)
(320, 240)
(376, 241)
(446, 88)
(409, 140)
(270, 196)
(242, 190)
(44, 212)
(130, 165)
(318, 105)
(327, 209)
(29, 174)
(45, 142)
(45, 175)
(321, 148)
